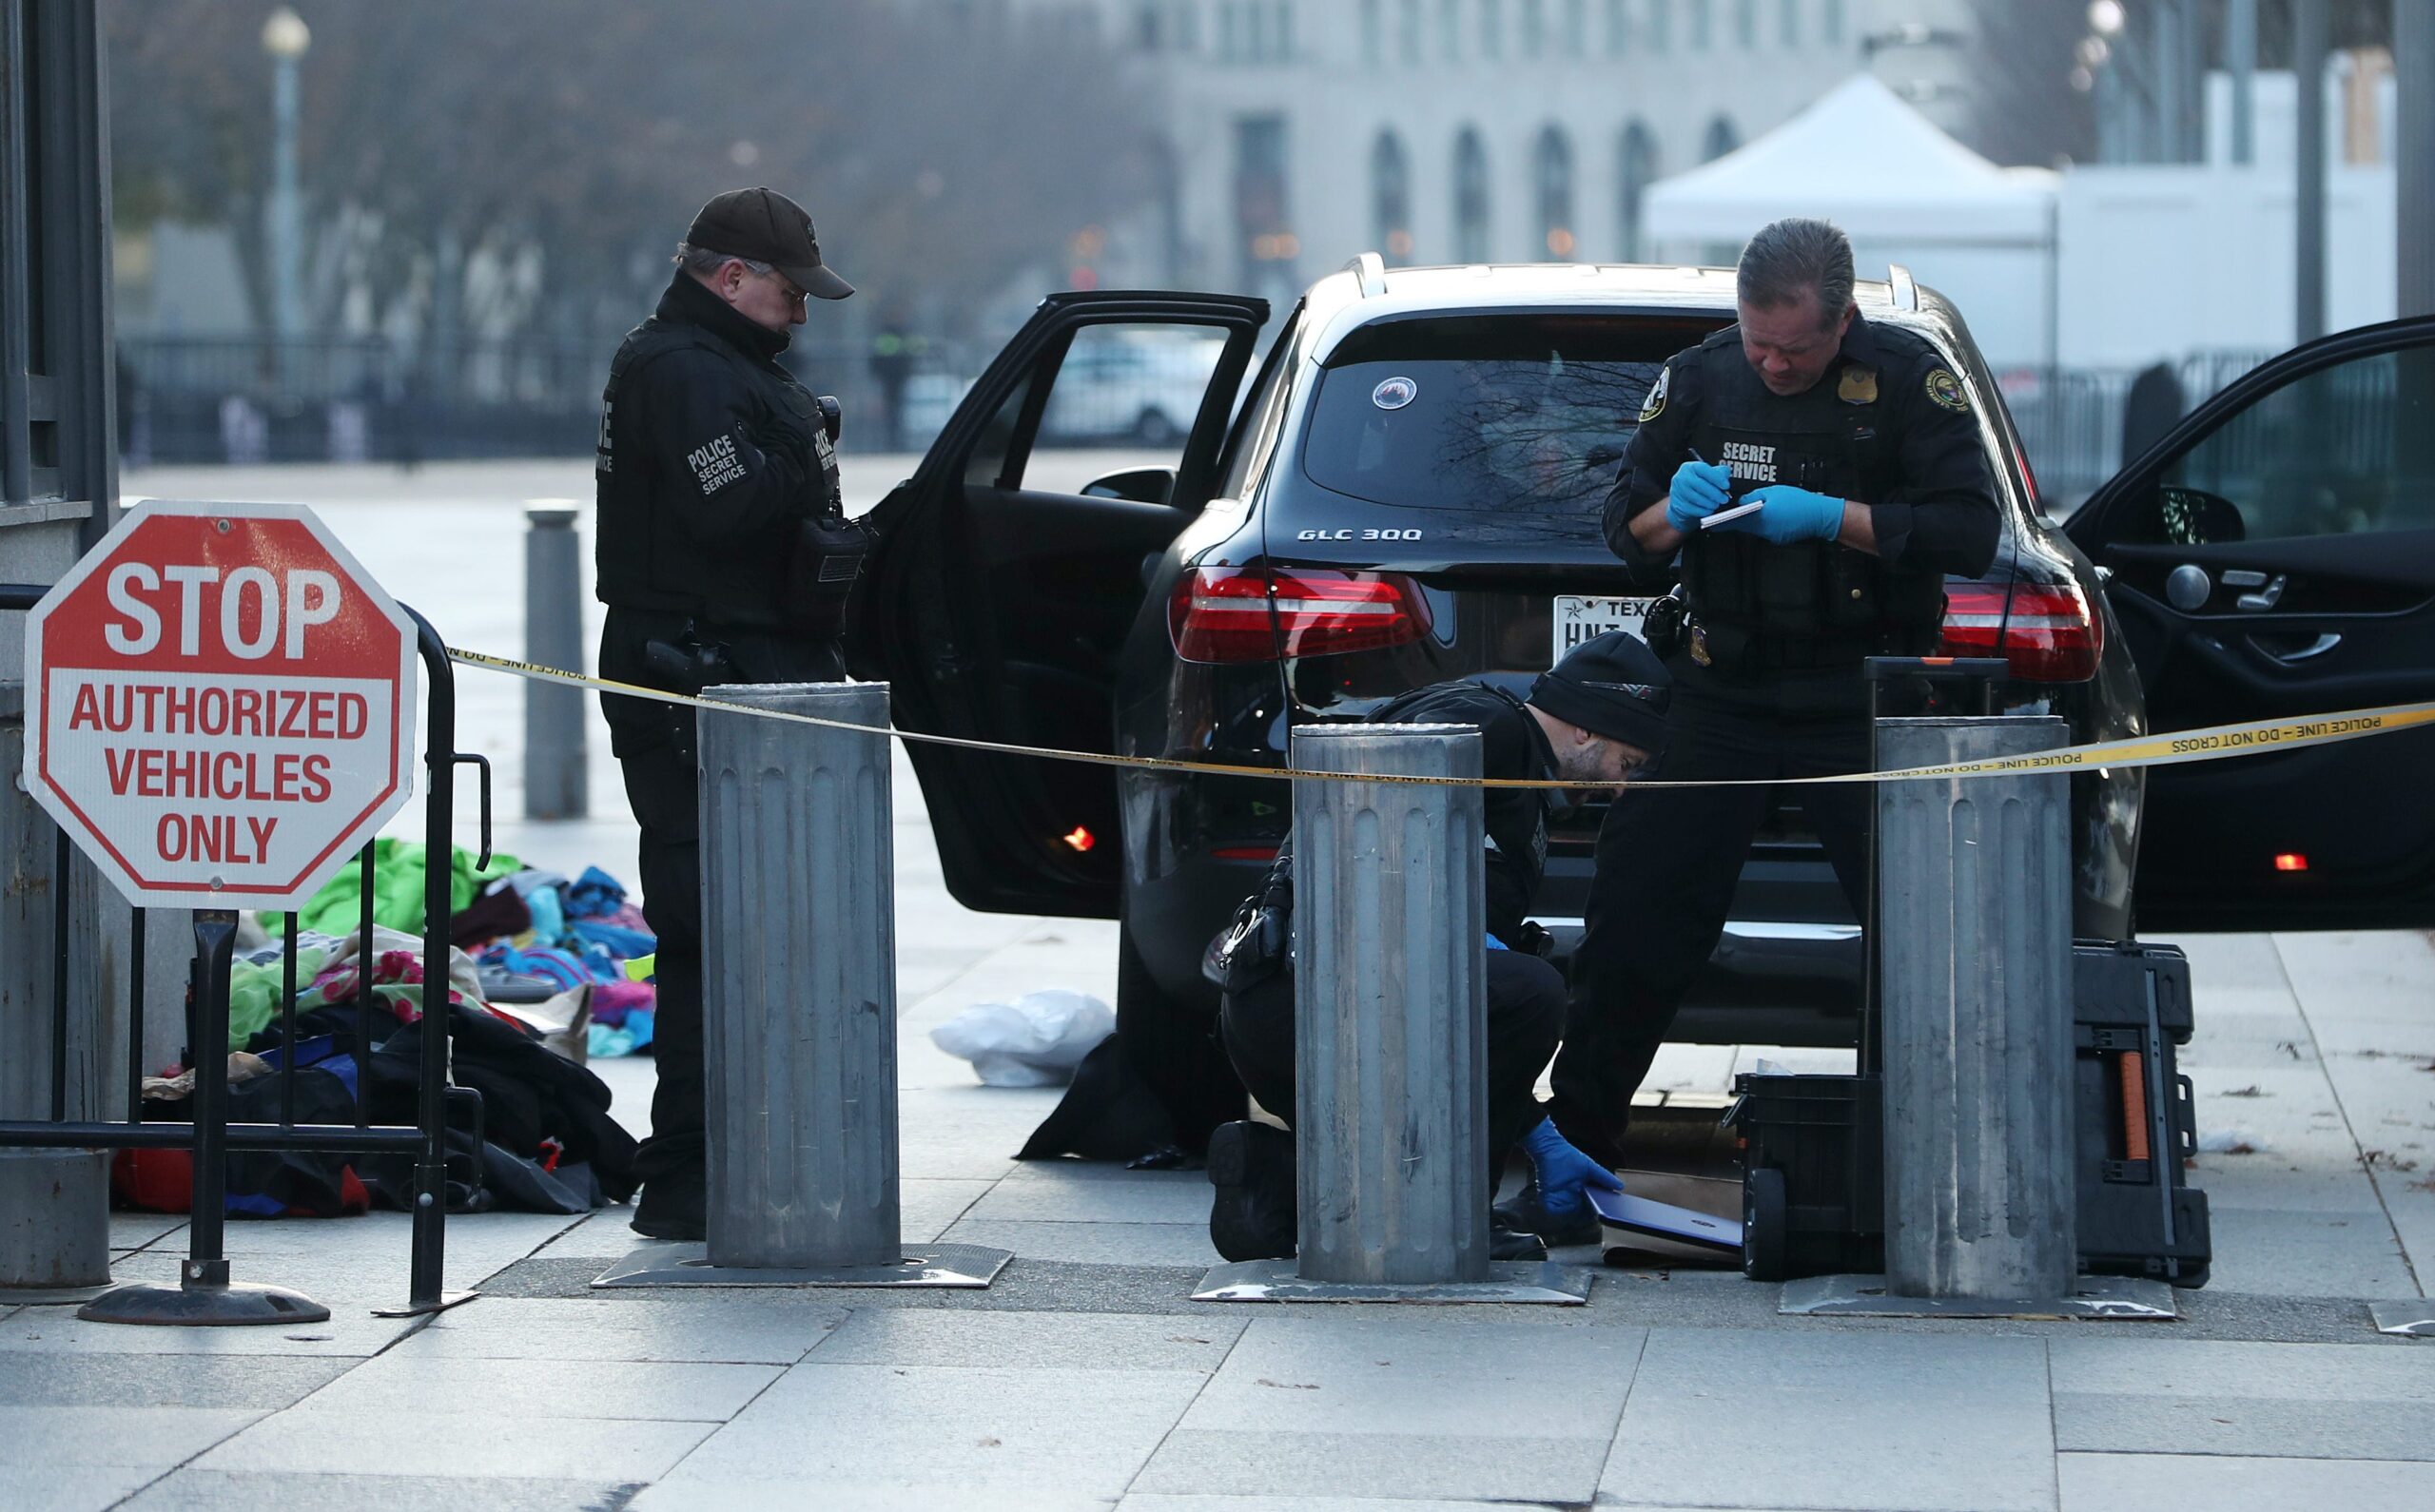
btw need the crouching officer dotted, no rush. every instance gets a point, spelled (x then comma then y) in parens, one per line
(1859, 447)
(1599, 716)
(724, 556)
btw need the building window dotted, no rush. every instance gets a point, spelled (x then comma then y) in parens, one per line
(1492, 29)
(1703, 24)
(1789, 16)
(1720, 139)
(1576, 28)
(1411, 34)
(1450, 30)
(1391, 200)
(1284, 30)
(1745, 23)
(1369, 44)
(1618, 29)
(1554, 183)
(1831, 25)
(1266, 244)
(1471, 198)
(1661, 25)
(1636, 166)
(1534, 27)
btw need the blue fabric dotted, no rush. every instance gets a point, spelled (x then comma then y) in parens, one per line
(1494, 943)
(625, 1039)
(594, 895)
(321, 1052)
(617, 939)
(549, 916)
(561, 968)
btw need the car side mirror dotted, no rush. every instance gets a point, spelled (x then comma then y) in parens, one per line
(2177, 515)
(1142, 485)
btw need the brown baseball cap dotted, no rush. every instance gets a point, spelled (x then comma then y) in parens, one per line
(767, 226)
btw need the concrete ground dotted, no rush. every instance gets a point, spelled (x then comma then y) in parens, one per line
(1086, 1378)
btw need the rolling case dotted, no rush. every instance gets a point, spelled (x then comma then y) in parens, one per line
(1813, 1166)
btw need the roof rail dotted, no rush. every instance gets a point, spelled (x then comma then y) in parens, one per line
(1906, 290)
(1369, 271)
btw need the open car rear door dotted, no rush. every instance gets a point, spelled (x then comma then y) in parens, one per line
(2274, 556)
(1010, 570)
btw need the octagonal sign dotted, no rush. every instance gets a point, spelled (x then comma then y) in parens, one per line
(219, 703)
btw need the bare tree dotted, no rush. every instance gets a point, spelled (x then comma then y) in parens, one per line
(941, 145)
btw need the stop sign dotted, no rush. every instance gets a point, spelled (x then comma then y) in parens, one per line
(218, 704)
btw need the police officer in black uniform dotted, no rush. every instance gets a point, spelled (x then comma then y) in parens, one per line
(716, 476)
(1860, 448)
(1597, 716)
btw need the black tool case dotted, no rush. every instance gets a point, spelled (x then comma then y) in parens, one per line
(1813, 1193)
(1813, 1175)
(2135, 1117)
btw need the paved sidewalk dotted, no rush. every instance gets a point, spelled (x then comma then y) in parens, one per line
(1087, 1378)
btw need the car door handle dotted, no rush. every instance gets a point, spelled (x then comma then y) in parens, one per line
(2325, 642)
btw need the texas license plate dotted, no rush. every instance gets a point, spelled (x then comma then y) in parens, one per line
(1579, 617)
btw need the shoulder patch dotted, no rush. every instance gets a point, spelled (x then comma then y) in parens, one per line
(1655, 404)
(1944, 390)
(1858, 385)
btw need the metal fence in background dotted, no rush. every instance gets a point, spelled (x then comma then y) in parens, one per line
(188, 400)
(2070, 419)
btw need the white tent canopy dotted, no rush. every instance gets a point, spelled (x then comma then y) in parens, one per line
(1906, 192)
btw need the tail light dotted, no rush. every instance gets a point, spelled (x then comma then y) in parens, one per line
(2048, 632)
(1223, 613)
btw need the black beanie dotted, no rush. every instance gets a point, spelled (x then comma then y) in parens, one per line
(1610, 685)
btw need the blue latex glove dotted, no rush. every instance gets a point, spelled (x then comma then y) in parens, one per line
(1494, 943)
(1699, 489)
(1787, 515)
(1565, 1174)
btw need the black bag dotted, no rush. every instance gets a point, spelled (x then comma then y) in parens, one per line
(1258, 942)
(822, 566)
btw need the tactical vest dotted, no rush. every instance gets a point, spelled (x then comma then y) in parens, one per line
(1761, 607)
(644, 559)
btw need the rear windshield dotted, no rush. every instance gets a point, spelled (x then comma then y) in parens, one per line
(1510, 413)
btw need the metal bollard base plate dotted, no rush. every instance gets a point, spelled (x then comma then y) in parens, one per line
(679, 1263)
(50, 1297)
(2412, 1318)
(1508, 1281)
(168, 1305)
(2097, 1298)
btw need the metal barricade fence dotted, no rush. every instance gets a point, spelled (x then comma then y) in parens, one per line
(204, 1295)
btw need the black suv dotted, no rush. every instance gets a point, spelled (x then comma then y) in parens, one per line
(1409, 489)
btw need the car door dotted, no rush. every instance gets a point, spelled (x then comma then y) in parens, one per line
(2273, 556)
(1011, 567)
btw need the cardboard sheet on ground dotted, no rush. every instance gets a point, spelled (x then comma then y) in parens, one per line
(1693, 1228)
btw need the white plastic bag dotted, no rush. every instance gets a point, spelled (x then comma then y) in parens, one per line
(1037, 1040)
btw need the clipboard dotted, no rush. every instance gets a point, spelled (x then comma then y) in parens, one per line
(1664, 1220)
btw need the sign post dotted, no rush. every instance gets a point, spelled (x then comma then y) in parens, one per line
(218, 705)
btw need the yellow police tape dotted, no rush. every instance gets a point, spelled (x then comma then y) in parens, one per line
(2212, 743)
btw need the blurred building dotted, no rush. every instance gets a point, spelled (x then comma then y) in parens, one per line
(1300, 133)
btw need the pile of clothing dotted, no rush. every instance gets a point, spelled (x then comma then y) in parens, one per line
(536, 977)
(537, 937)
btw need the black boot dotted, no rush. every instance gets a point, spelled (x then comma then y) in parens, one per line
(1524, 1210)
(1513, 1244)
(1254, 1215)
(672, 1208)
